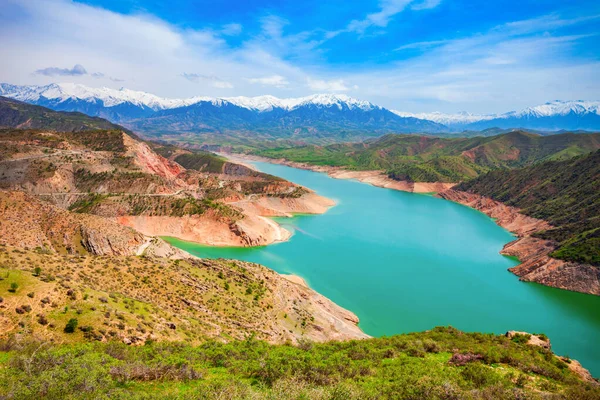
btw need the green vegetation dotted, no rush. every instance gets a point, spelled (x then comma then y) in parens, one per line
(87, 204)
(440, 364)
(564, 193)
(430, 159)
(71, 325)
(201, 161)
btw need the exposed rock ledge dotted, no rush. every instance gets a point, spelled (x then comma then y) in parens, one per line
(536, 265)
(255, 229)
(375, 178)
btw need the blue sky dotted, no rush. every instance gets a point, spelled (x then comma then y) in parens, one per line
(422, 55)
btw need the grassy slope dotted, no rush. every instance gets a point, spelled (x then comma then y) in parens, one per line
(564, 193)
(136, 297)
(421, 158)
(412, 366)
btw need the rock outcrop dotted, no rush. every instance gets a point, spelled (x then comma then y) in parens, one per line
(28, 222)
(252, 230)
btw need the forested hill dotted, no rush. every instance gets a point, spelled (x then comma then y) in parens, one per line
(564, 193)
(431, 159)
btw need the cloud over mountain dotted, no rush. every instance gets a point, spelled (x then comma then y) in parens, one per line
(77, 70)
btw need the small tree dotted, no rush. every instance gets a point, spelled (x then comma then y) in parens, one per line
(13, 287)
(37, 271)
(71, 325)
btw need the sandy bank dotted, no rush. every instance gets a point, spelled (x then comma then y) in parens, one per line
(375, 178)
(309, 203)
(252, 230)
(330, 320)
(533, 253)
(295, 279)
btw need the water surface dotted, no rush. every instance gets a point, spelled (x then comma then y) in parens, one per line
(408, 262)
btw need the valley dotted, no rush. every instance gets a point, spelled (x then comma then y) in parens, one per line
(107, 237)
(442, 262)
(314, 200)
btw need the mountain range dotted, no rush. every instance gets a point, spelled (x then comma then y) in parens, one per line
(552, 116)
(317, 116)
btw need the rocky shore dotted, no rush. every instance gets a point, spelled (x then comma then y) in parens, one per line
(254, 229)
(533, 253)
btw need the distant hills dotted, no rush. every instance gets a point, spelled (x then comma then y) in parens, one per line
(321, 116)
(17, 114)
(433, 159)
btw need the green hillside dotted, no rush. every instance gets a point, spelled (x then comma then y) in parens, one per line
(564, 193)
(443, 363)
(430, 159)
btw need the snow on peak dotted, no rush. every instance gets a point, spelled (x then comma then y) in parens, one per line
(268, 103)
(559, 107)
(60, 92)
(462, 117)
(550, 109)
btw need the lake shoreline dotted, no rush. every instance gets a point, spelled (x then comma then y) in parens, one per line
(319, 272)
(256, 228)
(535, 264)
(372, 177)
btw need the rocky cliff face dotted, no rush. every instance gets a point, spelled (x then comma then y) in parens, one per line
(29, 222)
(533, 253)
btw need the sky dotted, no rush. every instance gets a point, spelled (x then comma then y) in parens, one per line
(415, 56)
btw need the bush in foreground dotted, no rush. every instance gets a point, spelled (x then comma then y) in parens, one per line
(412, 366)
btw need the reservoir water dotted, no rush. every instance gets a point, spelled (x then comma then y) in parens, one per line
(408, 262)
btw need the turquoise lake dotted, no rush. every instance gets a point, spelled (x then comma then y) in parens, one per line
(408, 262)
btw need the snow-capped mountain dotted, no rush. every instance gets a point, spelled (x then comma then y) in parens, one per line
(318, 113)
(58, 93)
(554, 115)
(556, 108)
(447, 119)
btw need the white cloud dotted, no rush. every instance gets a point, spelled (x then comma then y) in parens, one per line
(421, 45)
(387, 10)
(212, 80)
(426, 4)
(319, 85)
(273, 80)
(77, 70)
(510, 66)
(145, 51)
(232, 29)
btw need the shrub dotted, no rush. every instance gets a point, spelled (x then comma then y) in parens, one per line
(479, 374)
(71, 325)
(13, 287)
(521, 339)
